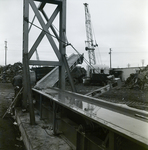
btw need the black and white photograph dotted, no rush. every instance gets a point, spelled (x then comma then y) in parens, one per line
(74, 75)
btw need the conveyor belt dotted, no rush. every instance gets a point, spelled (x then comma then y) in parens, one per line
(116, 118)
(52, 77)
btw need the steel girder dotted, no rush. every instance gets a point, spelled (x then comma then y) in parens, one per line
(59, 49)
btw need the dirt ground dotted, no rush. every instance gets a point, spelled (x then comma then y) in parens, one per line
(9, 133)
(135, 97)
(126, 94)
(80, 88)
(116, 94)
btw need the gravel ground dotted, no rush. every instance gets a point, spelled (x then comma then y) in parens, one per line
(126, 94)
(132, 97)
(9, 133)
(80, 88)
(135, 97)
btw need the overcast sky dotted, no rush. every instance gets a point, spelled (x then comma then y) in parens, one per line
(118, 24)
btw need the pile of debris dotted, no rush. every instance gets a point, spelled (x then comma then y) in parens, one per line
(9, 71)
(77, 74)
(139, 79)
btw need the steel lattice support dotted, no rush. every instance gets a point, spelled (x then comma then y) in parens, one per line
(59, 49)
(90, 46)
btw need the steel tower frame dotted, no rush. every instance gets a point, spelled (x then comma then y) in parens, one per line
(59, 49)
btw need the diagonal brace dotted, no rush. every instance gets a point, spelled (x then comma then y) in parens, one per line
(40, 37)
(45, 29)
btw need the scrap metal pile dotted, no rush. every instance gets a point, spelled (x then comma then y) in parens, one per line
(9, 71)
(139, 79)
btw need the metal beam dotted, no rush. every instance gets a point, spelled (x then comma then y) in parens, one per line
(25, 48)
(51, 1)
(41, 6)
(26, 74)
(63, 56)
(28, 90)
(40, 37)
(49, 37)
(62, 48)
(52, 28)
(49, 63)
(62, 25)
(59, 50)
(69, 75)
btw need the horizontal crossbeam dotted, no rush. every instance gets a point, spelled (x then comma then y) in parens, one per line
(50, 63)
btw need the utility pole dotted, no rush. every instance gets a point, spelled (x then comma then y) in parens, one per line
(142, 62)
(110, 59)
(128, 65)
(5, 53)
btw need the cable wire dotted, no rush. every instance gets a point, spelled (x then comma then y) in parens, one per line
(66, 43)
(45, 31)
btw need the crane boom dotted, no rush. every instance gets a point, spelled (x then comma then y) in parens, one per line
(90, 47)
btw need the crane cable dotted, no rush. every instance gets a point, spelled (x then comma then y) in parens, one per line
(96, 45)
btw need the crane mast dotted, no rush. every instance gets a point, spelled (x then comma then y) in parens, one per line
(90, 47)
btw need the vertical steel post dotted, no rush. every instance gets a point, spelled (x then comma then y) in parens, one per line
(25, 48)
(26, 73)
(111, 140)
(62, 48)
